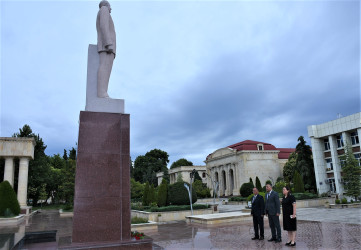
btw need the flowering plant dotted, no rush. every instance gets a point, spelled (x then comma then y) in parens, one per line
(137, 235)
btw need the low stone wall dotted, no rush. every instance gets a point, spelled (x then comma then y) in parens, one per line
(170, 215)
(351, 205)
(210, 201)
(65, 214)
(236, 203)
(314, 202)
(12, 221)
(150, 226)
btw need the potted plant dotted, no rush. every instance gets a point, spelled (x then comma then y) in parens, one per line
(327, 204)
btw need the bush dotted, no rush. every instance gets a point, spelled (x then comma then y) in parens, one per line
(178, 194)
(201, 189)
(163, 194)
(338, 201)
(258, 184)
(8, 200)
(249, 198)
(178, 208)
(297, 180)
(304, 196)
(268, 182)
(152, 197)
(237, 198)
(145, 200)
(278, 187)
(246, 189)
(325, 194)
(344, 201)
(138, 220)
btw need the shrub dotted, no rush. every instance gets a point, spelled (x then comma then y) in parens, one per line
(178, 208)
(8, 199)
(304, 196)
(178, 194)
(249, 198)
(246, 189)
(201, 189)
(152, 198)
(338, 201)
(344, 201)
(237, 198)
(278, 187)
(268, 182)
(258, 184)
(163, 194)
(145, 200)
(138, 220)
(297, 180)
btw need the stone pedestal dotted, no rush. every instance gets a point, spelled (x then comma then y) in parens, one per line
(102, 185)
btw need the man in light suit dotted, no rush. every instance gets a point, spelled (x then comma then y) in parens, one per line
(272, 210)
(257, 212)
(106, 47)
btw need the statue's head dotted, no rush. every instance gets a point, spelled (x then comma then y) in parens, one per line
(105, 3)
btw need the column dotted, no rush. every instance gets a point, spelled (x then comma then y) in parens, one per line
(319, 164)
(359, 135)
(228, 181)
(346, 139)
(336, 164)
(23, 181)
(9, 170)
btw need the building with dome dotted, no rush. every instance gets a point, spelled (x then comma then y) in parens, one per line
(233, 165)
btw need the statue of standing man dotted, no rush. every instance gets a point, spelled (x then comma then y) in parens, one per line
(106, 47)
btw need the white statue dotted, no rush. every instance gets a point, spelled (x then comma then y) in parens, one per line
(106, 47)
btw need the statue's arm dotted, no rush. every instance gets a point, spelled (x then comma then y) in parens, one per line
(104, 17)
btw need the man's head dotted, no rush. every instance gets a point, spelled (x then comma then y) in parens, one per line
(105, 3)
(255, 191)
(268, 187)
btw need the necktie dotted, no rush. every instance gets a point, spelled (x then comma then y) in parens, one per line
(254, 197)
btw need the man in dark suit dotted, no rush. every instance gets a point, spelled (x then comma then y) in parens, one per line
(257, 213)
(272, 210)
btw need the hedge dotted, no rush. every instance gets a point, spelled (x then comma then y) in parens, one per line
(237, 198)
(9, 204)
(246, 189)
(178, 194)
(178, 208)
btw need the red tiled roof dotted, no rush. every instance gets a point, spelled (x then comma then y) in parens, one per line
(285, 152)
(251, 145)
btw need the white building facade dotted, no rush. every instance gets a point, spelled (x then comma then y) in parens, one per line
(185, 171)
(328, 142)
(234, 165)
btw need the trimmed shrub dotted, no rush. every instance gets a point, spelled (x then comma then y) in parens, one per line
(251, 181)
(145, 200)
(138, 220)
(258, 184)
(178, 208)
(297, 180)
(246, 189)
(304, 196)
(237, 198)
(8, 200)
(162, 199)
(338, 201)
(249, 198)
(152, 196)
(344, 201)
(201, 189)
(278, 187)
(178, 194)
(268, 182)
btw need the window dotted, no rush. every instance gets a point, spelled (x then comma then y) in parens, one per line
(203, 175)
(358, 158)
(260, 147)
(339, 141)
(329, 165)
(354, 138)
(327, 144)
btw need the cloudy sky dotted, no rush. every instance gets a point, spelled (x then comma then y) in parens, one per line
(195, 75)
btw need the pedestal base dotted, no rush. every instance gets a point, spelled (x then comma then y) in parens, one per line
(144, 244)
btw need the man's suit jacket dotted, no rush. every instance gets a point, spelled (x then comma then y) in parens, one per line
(105, 29)
(273, 204)
(258, 206)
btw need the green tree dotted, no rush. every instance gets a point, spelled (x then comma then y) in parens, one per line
(72, 154)
(289, 168)
(152, 195)
(8, 200)
(246, 189)
(298, 183)
(178, 194)
(65, 155)
(162, 199)
(66, 188)
(351, 173)
(201, 189)
(146, 194)
(136, 189)
(304, 164)
(146, 166)
(181, 162)
(258, 184)
(43, 196)
(179, 177)
(197, 176)
(166, 175)
(251, 181)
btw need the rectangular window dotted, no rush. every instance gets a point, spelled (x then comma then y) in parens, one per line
(354, 138)
(339, 141)
(327, 144)
(329, 165)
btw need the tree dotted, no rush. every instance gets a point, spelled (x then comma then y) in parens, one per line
(298, 183)
(72, 154)
(258, 184)
(197, 176)
(152, 196)
(351, 173)
(146, 166)
(162, 199)
(179, 177)
(181, 162)
(166, 175)
(304, 164)
(136, 189)
(146, 194)
(65, 155)
(289, 168)
(201, 189)
(8, 200)
(178, 194)
(251, 181)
